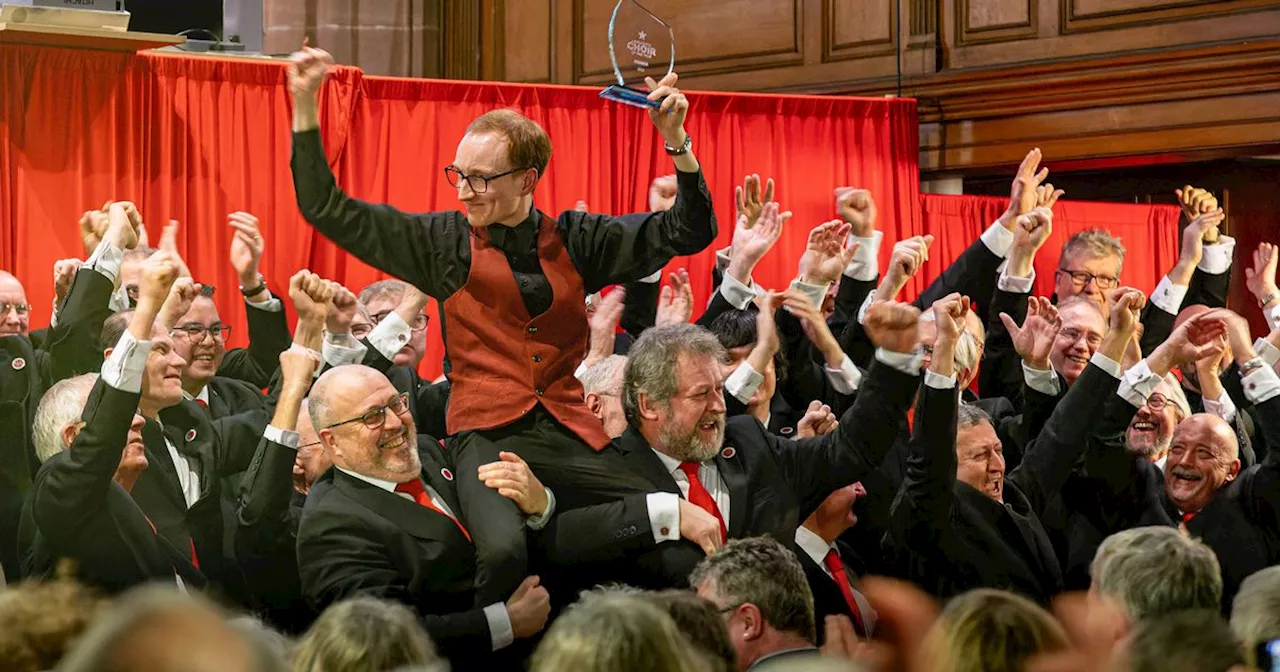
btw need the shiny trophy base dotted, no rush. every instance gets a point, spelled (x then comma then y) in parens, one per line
(629, 96)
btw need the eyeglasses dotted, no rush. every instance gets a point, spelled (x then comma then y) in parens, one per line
(1157, 402)
(1073, 335)
(21, 308)
(1082, 278)
(478, 183)
(419, 321)
(375, 418)
(196, 332)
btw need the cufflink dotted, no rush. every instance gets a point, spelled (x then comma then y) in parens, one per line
(664, 531)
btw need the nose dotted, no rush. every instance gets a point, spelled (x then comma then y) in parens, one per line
(716, 404)
(465, 192)
(138, 422)
(391, 422)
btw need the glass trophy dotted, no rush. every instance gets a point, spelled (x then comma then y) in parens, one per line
(640, 45)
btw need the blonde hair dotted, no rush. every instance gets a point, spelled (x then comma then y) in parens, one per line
(989, 630)
(528, 146)
(364, 633)
(615, 633)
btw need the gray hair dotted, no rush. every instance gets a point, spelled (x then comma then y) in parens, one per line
(1255, 614)
(652, 361)
(1177, 396)
(382, 289)
(61, 405)
(1191, 640)
(1157, 570)
(765, 573)
(613, 630)
(602, 377)
(1093, 243)
(969, 415)
(968, 347)
(364, 633)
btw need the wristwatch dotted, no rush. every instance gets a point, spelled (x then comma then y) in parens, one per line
(1251, 366)
(682, 149)
(1269, 298)
(253, 291)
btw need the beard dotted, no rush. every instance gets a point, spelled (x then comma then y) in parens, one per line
(1148, 444)
(398, 461)
(688, 445)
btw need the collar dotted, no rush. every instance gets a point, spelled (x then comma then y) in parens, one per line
(671, 463)
(813, 545)
(202, 395)
(783, 652)
(518, 238)
(389, 486)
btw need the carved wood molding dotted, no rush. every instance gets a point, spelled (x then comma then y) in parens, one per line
(834, 50)
(967, 34)
(460, 26)
(1074, 21)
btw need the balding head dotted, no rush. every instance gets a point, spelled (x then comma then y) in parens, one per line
(312, 458)
(15, 319)
(343, 406)
(1203, 457)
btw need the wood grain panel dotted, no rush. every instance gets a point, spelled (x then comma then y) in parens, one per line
(528, 42)
(859, 28)
(1090, 15)
(985, 21)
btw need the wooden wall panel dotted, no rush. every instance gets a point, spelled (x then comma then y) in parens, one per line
(1088, 15)
(984, 21)
(856, 29)
(529, 40)
(400, 38)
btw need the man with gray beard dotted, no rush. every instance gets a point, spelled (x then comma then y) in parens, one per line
(1150, 432)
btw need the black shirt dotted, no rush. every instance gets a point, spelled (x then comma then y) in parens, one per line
(433, 250)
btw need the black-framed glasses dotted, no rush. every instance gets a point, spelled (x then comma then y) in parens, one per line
(375, 418)
(419, 321)
(1082, 278)
(313, 444)
(478, 183)
(21, 308)
(1157, 401)
(195, 332)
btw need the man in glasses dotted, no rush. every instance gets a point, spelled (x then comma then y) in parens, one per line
(15, 317)
(512, 282)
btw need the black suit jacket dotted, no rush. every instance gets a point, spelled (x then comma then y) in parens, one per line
(429, 402)
(828, 599)
(24, 377)
(269, 335)
(82, 514)
(358, 539)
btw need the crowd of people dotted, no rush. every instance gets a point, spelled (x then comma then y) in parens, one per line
(818, 476)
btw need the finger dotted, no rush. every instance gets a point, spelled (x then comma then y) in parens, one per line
(1029, 163)
(814, 406)
(1009, 325)
(768, 190)
(1042, 175)
(737, 199)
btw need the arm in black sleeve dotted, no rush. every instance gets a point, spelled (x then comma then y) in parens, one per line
(921, 511)
(1001, 371)
(973, 273)
(849, 297)
(431, 250)
(73, 344)
(268, 337)
(598, 533)
(641, 308)
(1209, 289)
(719, 305)
(1157, 325)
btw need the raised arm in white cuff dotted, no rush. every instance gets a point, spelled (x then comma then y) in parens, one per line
(501, 634)
(106, 260)
(866, 305)
(1217, 258)
(816, 293)
(285, 437)
(938, 381)
(1269, 353)
(908, 362)
(1040, 380)
(1168, 296)
(269, 305)
(737, 294)
(1014, 285)
(865, 265)
(845, 379)
(125, 367)
(998, 239)
(391, 334)
(743, 382)
(1273, 317)
(1107, 364)
(1261, 384)
(1137, 384)
(1222, 407)
(342, 349)
(664, 515)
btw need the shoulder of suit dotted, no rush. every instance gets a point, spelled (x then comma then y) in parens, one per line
(225, 385)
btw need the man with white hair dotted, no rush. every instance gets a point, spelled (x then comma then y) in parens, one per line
(1150, 572)
(1255, 614)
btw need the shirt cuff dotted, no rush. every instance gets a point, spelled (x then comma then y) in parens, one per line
(1222, 407)
(540, 521)
(270, 304)
(339, 349)
(119, 300)
(1044, 382)
(906, 362)
(845, 379)
(743, 382)
(866, 260)
(866, 305)
(723, 259)
(1107, 364)
(106, 260)
(500, 631)
(285, 437)
(391, 334)
(1217, 257)
(1168, 296)
(736, 293)
(1261, 385)
(1013, 285)
(650, 279)
(664, 516)
(1137, 384)
(998, 239)
(125, 367)
(938, 381)
(1269, 353)
(1273, 317)
(816, 293)
(581, 370)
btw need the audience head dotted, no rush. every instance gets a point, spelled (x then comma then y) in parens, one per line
(979, 453)
(15, 320)
(40, 622)
(1190, 375)
(987, 630)
(602, 385)
(835, 514)
(969, 347)
(736, 331)
(615, 632)
(162, 380)
(1082, 331)
(1153, 571)
(1151, 430)
(269, 646)
(361, 323)
(1255, 614)
(1089, 266)
(760, 588)
(673, 391)
(57, 424)
(364, 423)
(1203, 457)
(200, 338)
(364, 633)
(700, 623)
(1195, 640)
(312, 458)
(512, 151)
(380, 300)
(131, 270)
(160, 629)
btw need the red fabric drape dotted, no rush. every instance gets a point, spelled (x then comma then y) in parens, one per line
(193, 138)
(1149, 234)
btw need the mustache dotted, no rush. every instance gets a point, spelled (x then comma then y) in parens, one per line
(1185, 472)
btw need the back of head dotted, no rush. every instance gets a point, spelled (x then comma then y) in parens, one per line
(1255, 614)
(989, 630)
(113, 328)
(614, 632)
(765, 573)
(1152, 571)
(364, 633)
(1196, 640)
(390, 288)
(737, 328)
(40, 622)
(700, 623)
(61, 405)
(528, 145)
(605, 376)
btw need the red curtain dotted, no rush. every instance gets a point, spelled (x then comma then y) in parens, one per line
(1149, 233)
(193, 139)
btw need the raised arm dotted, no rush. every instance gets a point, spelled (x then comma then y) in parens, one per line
(268, 330)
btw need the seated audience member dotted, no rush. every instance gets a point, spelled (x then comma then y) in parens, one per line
(697, 619)
(1153, 571)
(364, 633)
(760, 588)
(40, 622)
(1255, 614)
(385, 522)
(831, 566)
(615, 632)
(988, 630)
(602, 386)
(1194, 640)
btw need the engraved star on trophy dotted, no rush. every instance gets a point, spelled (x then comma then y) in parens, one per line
(640, 45)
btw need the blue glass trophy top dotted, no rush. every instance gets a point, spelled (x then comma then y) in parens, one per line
(640, 45)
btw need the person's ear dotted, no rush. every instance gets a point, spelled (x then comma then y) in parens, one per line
(106, 354)
(530, 181)
(752, 621)
(648, 409)
(594, 405)
(70, 432)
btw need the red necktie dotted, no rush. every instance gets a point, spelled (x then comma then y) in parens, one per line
(1186, 517)
(195, 560)
(699, 497)
(414, 489)
(836, 567)
(203, 403)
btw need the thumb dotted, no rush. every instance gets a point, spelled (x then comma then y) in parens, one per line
(815, 406)
(529, 583)
(708, 547)
(1009, 324)
(666, 296)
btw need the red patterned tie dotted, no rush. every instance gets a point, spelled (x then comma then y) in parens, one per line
(414, 489)
(203, 403)
(836, 567)
(699, 497)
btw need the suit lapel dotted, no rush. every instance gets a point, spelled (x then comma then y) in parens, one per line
(413, 518)
(734, 473)
(639, 455)
(159, 459)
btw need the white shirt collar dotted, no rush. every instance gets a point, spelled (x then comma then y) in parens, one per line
(671, 463)
(389, 486)
(202, 395)
(813, 545)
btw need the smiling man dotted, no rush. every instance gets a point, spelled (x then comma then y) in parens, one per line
(1151, 431)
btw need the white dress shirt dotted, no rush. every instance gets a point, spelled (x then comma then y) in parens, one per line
(817, 548)
(664, 507)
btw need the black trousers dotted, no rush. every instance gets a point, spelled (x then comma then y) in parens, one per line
(576, 473)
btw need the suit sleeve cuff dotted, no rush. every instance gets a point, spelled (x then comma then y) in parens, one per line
(106, 260)
(125, 367)
(391, 334)
(268, 305)
(866, 260)
(1216, 259)
(1107, 364)
(816, 293)
(722, 259)
(1138, 383)
(998, 239)
(285, 437)
(906, 362)
(845, 379)
(1269, 353)
(1261, 385)
(1044, 382)
(736, 293)
(664, 516)
(1168, 296)
(540, 521)
(1014, 285)
(500, 631)
(866, 305)
(938, 381)
(1222, 407)
(743, 382)
(339, 349)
